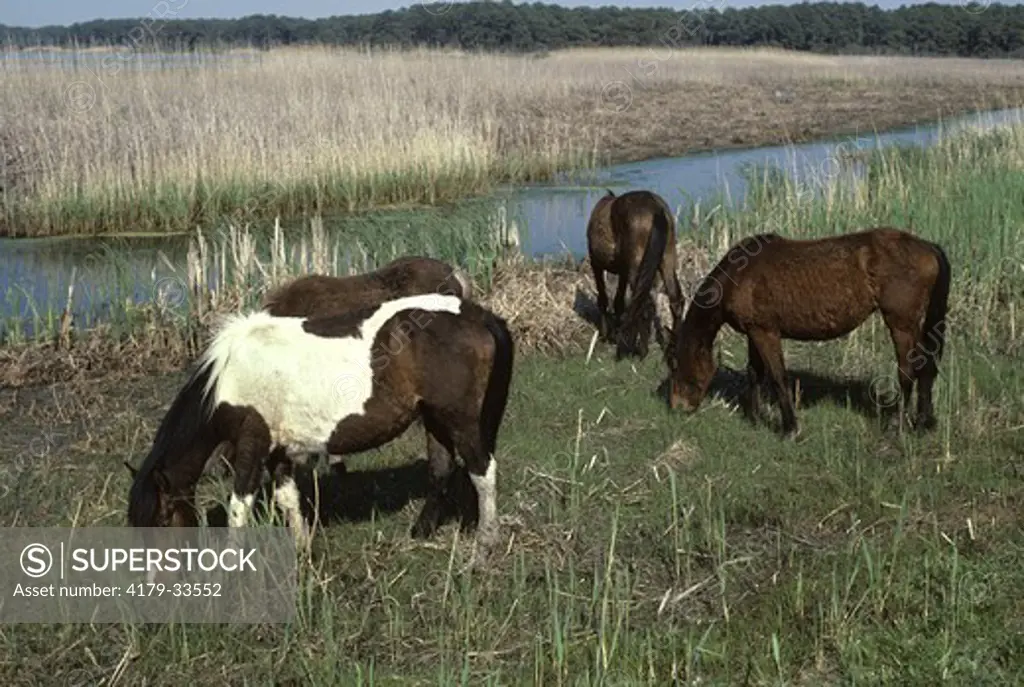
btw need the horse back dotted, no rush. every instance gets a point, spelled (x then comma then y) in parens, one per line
(619, 227)
(324, 295)
(820, 288)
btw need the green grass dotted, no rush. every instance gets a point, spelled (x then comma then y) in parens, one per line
(642, 546)
(645, 546)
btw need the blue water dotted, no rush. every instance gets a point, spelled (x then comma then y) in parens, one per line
(554, 221)
(550, 220)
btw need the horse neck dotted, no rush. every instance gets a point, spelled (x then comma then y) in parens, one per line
(702, 323)
(186, 471)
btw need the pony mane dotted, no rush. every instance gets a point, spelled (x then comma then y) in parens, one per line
(187, 415)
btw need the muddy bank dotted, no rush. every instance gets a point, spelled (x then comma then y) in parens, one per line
(667, 121)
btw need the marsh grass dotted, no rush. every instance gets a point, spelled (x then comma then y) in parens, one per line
(642, 546)
(100, 144)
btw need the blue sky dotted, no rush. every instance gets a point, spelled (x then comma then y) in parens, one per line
(41, 12)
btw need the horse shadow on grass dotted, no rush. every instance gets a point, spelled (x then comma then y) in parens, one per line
(361, 495)
(585, 305)
(731, 386)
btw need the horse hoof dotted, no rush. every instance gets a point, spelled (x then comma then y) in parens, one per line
(896, 423)
(483, 552)
(423, 529)
(925, 423)
(791, 434)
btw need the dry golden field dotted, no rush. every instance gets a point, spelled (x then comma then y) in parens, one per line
(106, 146)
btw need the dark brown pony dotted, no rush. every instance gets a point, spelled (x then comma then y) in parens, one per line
(280, 388)
(318, 295)
(633, 236)
(772, 288)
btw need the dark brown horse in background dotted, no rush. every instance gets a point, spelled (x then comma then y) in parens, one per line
(322, 295)
(772, 288)
(633, 237)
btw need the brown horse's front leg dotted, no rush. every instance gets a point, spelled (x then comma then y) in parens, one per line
(755, 377)
(769, 346)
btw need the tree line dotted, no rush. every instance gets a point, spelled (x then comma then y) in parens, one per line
(968, 30)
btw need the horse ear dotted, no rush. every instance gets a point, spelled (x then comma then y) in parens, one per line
(610, 194)
(131, 469)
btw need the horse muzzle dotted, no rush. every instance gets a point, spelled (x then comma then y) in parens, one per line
(676, 401)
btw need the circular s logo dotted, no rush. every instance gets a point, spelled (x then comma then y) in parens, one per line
(36, 560)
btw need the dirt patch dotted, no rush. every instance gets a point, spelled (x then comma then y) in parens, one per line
(669, 121)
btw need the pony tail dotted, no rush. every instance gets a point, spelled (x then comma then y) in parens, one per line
(935, 317)
(499, 381)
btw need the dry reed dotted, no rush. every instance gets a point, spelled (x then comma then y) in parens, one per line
(112, 147)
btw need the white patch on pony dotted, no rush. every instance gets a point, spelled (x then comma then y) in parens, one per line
(286, 495)
(485, 490)
(239, 509)
(302, 384)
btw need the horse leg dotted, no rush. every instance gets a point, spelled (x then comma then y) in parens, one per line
(755, 377)
(769, 347)
(904, 338)
(287, 497)
(251, 450)
(482, 467)
(440, 466)
(620, 296)
(925, 412)
(602, 299)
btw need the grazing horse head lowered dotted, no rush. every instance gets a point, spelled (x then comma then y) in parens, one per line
(771, 288)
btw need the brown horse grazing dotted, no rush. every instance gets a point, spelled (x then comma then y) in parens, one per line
(772, 288)
(633, 236)
(318, 295)
(280, 388)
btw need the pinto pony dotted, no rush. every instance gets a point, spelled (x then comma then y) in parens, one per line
(633, 236)
(772, 288)
(318, 295)
(279, 388)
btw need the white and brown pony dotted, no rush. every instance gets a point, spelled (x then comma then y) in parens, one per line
(280, 388)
